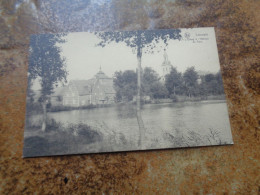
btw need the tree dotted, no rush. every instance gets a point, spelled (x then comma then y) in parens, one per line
(174, 82)
(220, 88)
(139, 41)
(209, 77)
(158, 90)
(190, 78)
(30, 92)
(212, 85)
(151, 85)
(47, 65)
(125, 84)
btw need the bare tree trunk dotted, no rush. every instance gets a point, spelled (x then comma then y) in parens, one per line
(138, 106)
(44, 103)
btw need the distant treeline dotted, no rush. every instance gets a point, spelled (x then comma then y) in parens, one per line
(189, 84)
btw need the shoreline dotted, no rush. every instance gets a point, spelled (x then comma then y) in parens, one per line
(180, 99)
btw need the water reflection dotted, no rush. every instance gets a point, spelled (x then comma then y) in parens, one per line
(173, 118)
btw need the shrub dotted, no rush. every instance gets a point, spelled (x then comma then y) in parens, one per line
(60, 108)
(36, 124)
(68, 108)
(53, 125)
(33, 146)
(174, 98)
(33, 108)
(85, 133)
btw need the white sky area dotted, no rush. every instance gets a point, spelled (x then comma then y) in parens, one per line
(83, 57)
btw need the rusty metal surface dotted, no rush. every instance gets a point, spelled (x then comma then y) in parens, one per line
(207, 170)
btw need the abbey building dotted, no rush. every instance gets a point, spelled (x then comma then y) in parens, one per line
(96, 91)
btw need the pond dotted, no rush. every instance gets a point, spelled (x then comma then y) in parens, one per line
(173, 118)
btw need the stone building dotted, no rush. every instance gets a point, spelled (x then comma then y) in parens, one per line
(166, 67)
(96, 91)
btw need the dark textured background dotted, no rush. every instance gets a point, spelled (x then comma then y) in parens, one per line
(207, 170)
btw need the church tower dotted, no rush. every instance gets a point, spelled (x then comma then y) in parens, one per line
(166, 66)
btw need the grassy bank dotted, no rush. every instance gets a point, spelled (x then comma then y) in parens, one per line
(36, 108)
(71, 139)
(68, 108)
(58, 139)
(81, 138)
(178, 98)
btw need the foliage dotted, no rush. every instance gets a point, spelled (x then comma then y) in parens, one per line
(151, 85)
(193, 138)
(212, 84)
(190, 78)
(158, 90)
(219, 81)
(30, 92)
(51, 124)
(33, 146)
(125, 84)
(174, 82)
(33, 108)
(59, 139)
(46, 64)
(84, 131)
(139, 39)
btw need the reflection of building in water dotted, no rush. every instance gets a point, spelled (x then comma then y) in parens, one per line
(98, 90)
(166, 67)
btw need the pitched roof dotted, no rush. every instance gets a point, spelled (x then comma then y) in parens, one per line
(106, 86)
(101, 75)
(59, 91)
(82, 87)
(86, 87)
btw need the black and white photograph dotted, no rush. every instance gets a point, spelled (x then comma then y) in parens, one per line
(95, 92)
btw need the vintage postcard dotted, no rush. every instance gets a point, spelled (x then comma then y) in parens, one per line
(94, 92)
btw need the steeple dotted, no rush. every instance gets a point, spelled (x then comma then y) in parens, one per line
(165, 58)
(100, 74)
(166, 66)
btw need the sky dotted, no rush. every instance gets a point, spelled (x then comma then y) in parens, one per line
(83, 58)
